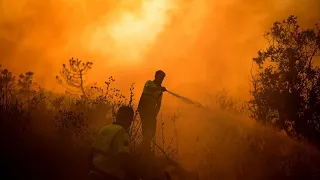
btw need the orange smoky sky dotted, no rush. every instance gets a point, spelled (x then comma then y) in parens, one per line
(202, 45)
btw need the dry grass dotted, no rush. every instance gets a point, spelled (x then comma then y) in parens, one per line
(47, 135)
(231, 146)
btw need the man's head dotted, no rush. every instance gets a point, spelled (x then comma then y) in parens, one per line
(159, 76)
(125, 116)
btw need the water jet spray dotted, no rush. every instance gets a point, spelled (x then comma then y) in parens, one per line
(186, 100)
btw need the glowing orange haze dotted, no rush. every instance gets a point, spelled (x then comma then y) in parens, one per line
(202, 45)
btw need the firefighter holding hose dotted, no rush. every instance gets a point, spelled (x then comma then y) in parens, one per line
(149, 107)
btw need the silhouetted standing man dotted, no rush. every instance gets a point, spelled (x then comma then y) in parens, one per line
(149, 107)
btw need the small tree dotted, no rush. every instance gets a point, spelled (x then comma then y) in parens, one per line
(26, 84)
(286, 89)
(72, 76)
(7, 84)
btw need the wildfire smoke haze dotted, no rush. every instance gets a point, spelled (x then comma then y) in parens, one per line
(211, 41)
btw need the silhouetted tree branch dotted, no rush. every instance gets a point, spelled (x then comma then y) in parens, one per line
(286, 91)
(72, 76)
(7, 84)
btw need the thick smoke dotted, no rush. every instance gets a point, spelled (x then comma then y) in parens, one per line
(203, 44)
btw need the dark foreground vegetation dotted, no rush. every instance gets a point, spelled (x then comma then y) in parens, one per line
(48, 136)
(286, 91)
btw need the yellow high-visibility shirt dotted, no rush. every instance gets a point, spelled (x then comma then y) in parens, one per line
(151, 96)
(112, 140)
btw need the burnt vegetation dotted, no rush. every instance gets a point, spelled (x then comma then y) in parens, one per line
(48, 135)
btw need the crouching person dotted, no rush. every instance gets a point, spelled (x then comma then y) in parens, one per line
(111, 158)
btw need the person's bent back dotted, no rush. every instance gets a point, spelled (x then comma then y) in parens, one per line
(111, 147)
